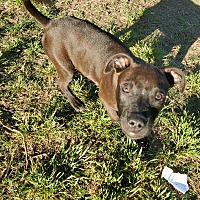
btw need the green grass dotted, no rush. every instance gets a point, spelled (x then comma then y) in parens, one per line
(47, 151)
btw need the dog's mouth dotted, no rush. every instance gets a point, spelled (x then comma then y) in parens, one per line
(136, 136)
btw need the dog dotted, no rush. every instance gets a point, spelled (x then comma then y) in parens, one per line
(132, 91)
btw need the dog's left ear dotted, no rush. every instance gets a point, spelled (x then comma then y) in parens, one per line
(119, 62)
(175, 77)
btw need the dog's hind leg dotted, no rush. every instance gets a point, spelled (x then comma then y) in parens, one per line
(65, 70)
(65, 77)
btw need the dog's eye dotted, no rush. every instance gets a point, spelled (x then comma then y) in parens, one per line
(160, 96)
(125, 88)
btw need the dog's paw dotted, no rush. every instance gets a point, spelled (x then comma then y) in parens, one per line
(77, 104)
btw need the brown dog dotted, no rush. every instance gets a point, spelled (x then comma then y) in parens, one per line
(132, 91)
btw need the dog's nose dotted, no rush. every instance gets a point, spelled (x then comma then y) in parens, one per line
(136, 124)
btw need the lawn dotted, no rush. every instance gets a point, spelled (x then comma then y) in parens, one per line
(47, 151)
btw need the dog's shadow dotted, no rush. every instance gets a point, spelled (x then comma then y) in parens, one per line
(177, 20)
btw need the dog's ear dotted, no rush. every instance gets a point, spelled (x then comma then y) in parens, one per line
(119, 62)
(175, 77)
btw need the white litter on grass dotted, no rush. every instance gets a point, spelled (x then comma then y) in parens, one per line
(6, 4)
(179, 181)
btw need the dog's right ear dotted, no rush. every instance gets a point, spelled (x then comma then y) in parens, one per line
(119, 62)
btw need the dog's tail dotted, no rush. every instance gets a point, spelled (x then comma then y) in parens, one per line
(35, 13)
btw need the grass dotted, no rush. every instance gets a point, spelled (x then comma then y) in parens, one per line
(47, 151)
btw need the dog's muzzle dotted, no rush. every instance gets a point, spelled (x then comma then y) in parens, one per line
(135, 126)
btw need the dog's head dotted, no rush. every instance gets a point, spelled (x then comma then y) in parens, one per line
(141, 92)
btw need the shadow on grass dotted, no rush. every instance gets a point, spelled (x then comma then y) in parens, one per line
(178, 20)
(153, 144)
(193, 105)
(192, 108)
